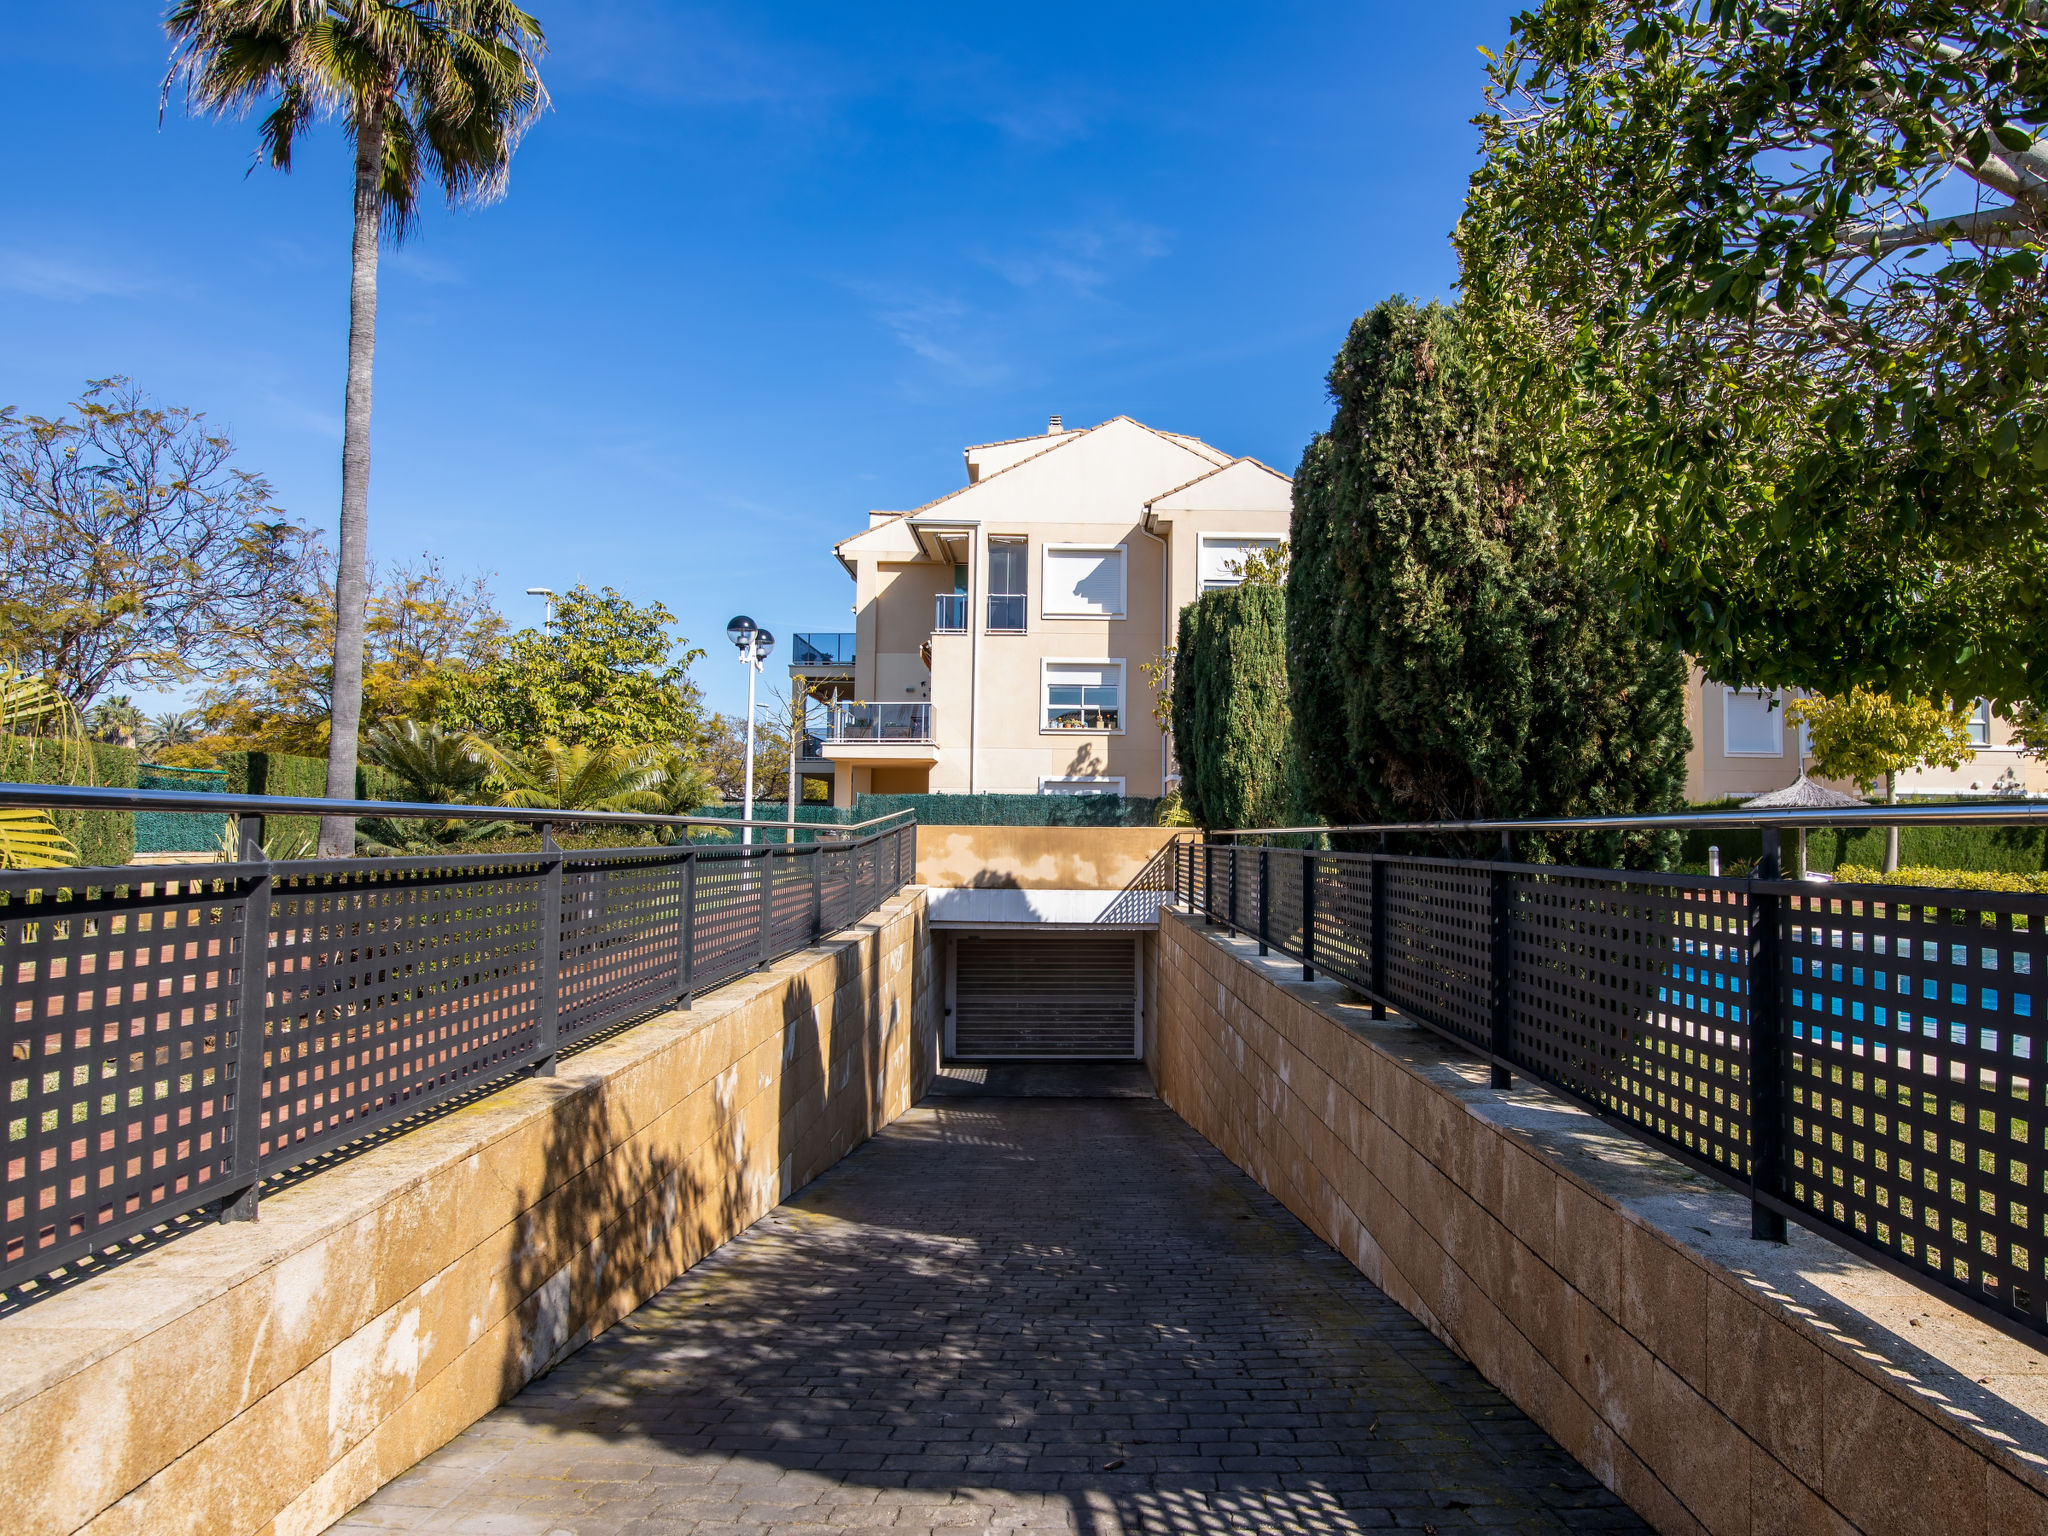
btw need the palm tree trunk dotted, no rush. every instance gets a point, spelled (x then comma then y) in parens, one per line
(1891, 833)
(351, 574)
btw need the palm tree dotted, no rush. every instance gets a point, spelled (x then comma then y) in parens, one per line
(433, 765)
(117, 720)
(680, 785)
(439, 87)
(173, 727)
(553, 776)
(29, 706)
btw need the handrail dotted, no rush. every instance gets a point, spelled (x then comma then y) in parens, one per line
(85, 797)
(1943, 813)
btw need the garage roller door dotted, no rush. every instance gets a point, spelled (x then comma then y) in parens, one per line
(1061, 995)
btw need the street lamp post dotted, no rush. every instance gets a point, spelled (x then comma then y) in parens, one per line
(548, 624)
(753, 643)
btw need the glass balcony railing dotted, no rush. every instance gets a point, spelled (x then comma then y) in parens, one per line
(949, 614)
(1006, 611)
(821, 649)
(879, 722)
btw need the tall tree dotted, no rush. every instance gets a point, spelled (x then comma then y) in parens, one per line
(1231, 729)
(423, 631)
(132, 547)
(1776, 267)
(1451, 655)
(424, 88)
(606, 673)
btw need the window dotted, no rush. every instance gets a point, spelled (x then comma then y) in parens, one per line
(1083, 695)
(1008, 560)
(1220, 561)
(1079, 786)
(1752, 724)
(1084, 582)
(1980, 724)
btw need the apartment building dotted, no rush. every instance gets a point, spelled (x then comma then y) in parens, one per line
(1001, 629)
(1742, 745)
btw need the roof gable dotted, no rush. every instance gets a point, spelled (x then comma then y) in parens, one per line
(1242, 485)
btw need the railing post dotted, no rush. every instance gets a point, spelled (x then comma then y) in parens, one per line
(243, 1113)
(686, 973)
(1208, 883)
(817, 891)
(767, 954)
(1502, 966)
(1265, 859)
(1308, 913)
(1230, 905)
(548, 992)
(1379, 928)
(1766, 1052)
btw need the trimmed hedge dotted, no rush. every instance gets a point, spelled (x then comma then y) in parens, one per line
(1012, 810)
(180, 831)
(1945, 879)
(1230, 714)
(2012, 850)
(103, 838)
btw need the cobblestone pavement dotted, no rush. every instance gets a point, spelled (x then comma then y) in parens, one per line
(1009, 1314)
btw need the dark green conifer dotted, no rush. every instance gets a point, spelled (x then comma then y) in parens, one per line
(1450, 656)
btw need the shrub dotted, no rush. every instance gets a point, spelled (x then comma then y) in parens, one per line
(1450, 656)
(1944, 879)
(1231, 724)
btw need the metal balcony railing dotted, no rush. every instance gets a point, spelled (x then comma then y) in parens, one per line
(880, 722)
(1864, 1060)
(949, 614)
(817, 648)
(269, 1012)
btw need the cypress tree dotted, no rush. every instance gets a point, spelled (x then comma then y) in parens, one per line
(1231, 725)
(1450, 656)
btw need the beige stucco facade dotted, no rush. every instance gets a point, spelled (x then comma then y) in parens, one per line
(1742, 745)
(1023, 607)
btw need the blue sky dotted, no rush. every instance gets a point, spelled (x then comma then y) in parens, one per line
(760, 270)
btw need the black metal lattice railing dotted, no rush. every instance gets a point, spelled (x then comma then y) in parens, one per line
(1865, 1060)
(153, 1070)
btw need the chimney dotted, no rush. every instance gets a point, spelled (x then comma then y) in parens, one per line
(1052, 426)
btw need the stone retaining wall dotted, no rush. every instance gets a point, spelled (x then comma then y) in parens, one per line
(1716, 1383)
(265, 1378)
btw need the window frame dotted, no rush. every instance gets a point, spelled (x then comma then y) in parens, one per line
(1777, 696)
(1122, 551)
(1980, 715)
(1110, 783)
(1204, 540)
(1046, 664)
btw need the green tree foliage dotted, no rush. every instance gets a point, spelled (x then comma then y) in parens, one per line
(1230, 714)
(1864, 737)
(723, 754)
(1773, 268)
(423, 631)
(606, 673)
(131, 545)
(429, 764)
(1448, 657)
(554, 775)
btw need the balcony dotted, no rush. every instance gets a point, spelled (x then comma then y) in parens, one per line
(879, 722)
(949, 614)
(820, 648)
(1006, 612)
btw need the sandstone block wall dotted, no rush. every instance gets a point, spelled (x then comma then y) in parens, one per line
(1717, 1384)
(265, 1378)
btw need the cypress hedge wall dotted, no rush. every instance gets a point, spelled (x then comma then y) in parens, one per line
(102, 838)
(1451, 654)
(1232, 727)
(1012, 810)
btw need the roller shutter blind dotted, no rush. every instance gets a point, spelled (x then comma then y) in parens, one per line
(1044, 995)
